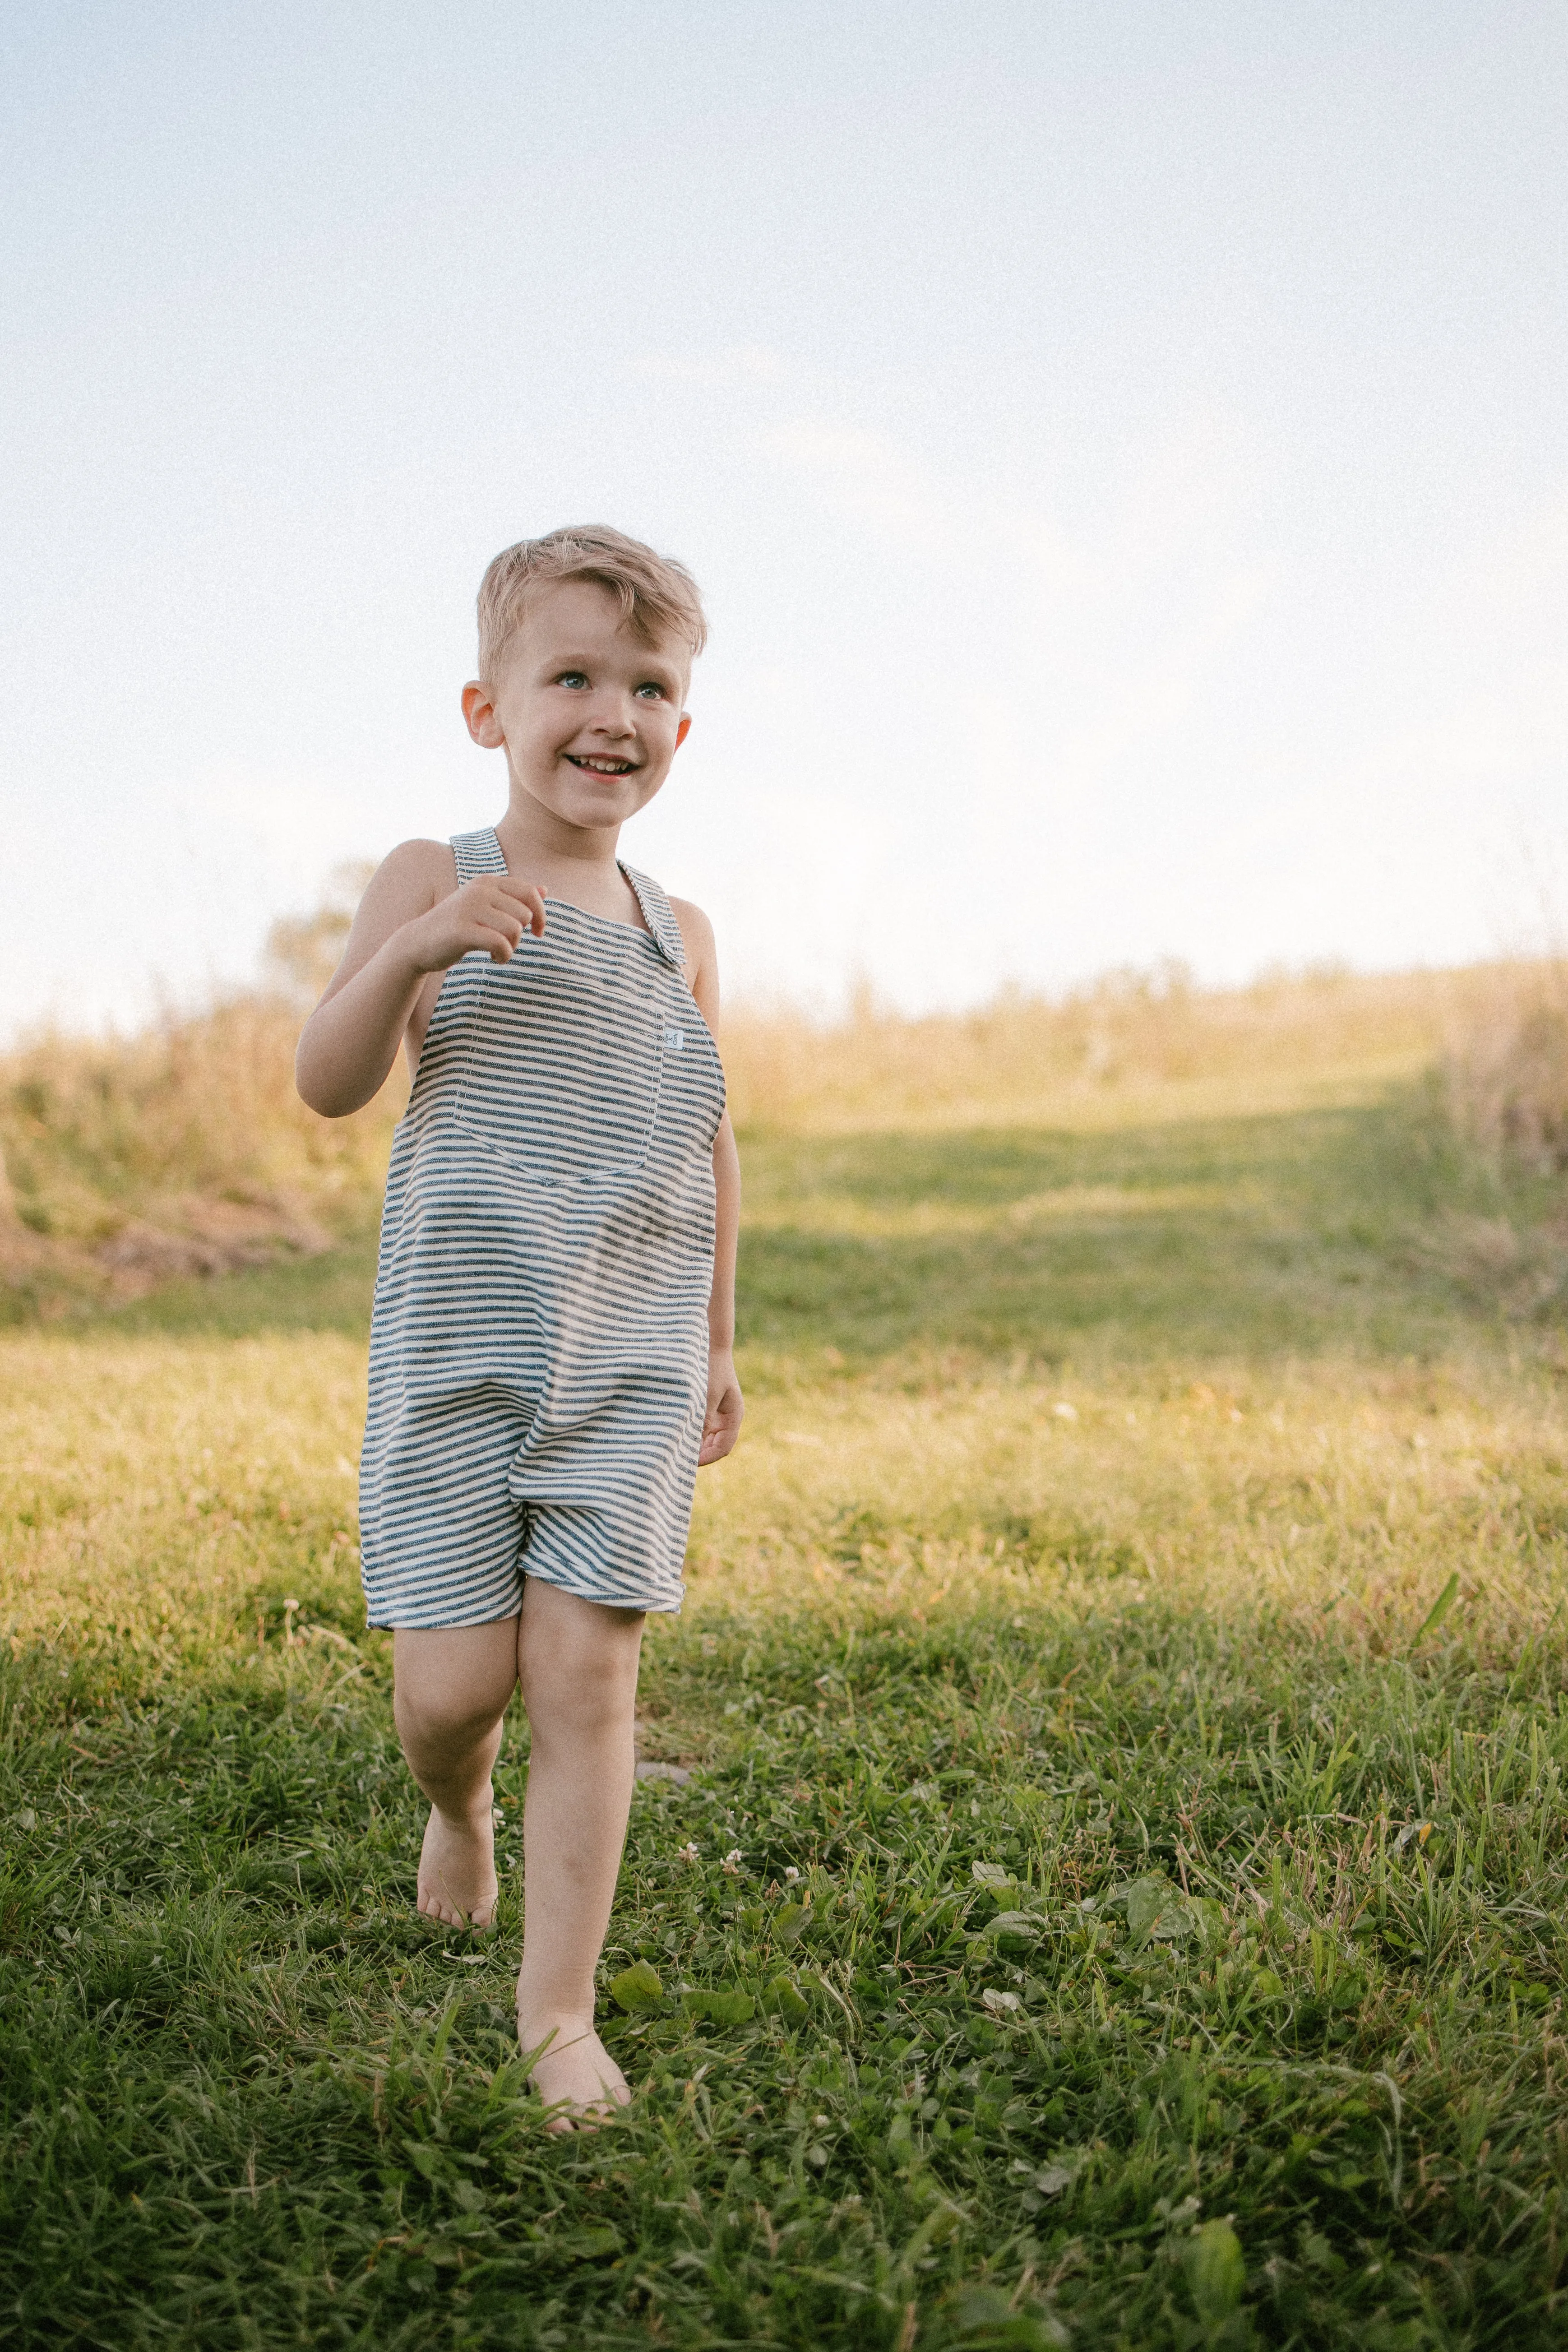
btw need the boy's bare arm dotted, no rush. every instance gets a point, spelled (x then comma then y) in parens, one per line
(722, 1425)
(412, 921)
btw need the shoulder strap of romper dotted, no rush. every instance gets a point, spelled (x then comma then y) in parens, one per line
(481, 853)
(477, 853)
(658, 915)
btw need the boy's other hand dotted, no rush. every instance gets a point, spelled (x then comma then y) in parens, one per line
(722, 1423)
(492, 913)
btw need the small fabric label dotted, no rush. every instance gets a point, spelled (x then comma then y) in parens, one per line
(675, 1040)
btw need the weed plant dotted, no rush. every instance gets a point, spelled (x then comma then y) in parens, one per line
(1117, 1897)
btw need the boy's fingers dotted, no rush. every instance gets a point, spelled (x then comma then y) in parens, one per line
(529, 895)
(721, 1429)
(500, 923)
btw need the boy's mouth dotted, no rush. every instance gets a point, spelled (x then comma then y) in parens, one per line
(601, 767)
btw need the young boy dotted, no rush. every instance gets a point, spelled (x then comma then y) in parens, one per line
(551, 1345)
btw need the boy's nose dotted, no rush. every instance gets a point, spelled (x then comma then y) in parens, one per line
(614, 719)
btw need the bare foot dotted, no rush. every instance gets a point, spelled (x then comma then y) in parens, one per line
(574, 2074)
(458, 1869)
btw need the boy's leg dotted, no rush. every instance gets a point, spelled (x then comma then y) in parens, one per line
(578, 1662)
(451, 1690)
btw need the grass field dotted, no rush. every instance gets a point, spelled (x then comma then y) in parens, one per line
(1119, 1896)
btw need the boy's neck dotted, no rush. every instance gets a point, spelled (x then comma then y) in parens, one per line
(535, 840)
(573, 863)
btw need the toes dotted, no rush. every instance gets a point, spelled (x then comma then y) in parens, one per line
(440, 1861)
(432, 1906)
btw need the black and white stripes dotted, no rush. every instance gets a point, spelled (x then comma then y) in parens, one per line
(539, 1347)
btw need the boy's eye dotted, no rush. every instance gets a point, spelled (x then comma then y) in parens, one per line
(572, 677)
(651, 687)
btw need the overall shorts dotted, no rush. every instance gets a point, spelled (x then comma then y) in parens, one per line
(539, 1343)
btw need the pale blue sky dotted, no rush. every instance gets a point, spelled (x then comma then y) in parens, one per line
(1124, 446)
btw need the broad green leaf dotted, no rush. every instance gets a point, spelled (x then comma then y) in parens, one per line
(785, 1998)
(1216, 2272)
(1146, 1899)
(985, 2314)
(638, 1987)
(727, 2006)
(1177, 1920)
(789, 1921)
(592, 2245)
(1208, 1916)
(1013, 1923)
(991, 1874)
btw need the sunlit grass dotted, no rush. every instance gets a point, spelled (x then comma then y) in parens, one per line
(1119, 1896)
(157, 1496)
(165, 1501)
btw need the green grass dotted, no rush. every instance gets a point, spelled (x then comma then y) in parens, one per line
(1241, 1236)
(332, 1293)
(1146, 1919)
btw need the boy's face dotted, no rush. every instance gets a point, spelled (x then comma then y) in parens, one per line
(590, 717)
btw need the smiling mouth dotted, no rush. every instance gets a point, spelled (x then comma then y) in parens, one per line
(601, 767)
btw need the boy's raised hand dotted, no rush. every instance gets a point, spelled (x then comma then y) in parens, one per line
(408, 927)
(490, 913)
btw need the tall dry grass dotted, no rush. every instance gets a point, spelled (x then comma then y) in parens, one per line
(1506, 1078)
(1130, 1046)
(184, 1148)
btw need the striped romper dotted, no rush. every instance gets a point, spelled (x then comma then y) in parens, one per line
(539, 1346)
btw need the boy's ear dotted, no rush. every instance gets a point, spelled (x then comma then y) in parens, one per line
(480, 716)
(681, 732)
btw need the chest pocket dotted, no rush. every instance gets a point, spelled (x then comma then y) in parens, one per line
(562, 1072)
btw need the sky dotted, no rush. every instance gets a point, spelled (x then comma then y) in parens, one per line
(1123, 445)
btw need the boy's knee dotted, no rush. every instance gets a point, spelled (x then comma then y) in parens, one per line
(452, 1686)
(579, 1705)
(579, 1663)
(444, 1716)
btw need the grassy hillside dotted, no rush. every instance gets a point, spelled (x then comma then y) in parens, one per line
(1119, 1896)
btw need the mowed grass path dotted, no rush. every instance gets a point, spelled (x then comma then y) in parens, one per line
(1119, 1896)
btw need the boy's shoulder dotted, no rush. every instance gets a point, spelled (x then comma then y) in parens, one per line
(420, 856)
(426, 870)
(695, 933)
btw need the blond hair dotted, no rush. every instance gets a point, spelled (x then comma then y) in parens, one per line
(657, 597)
